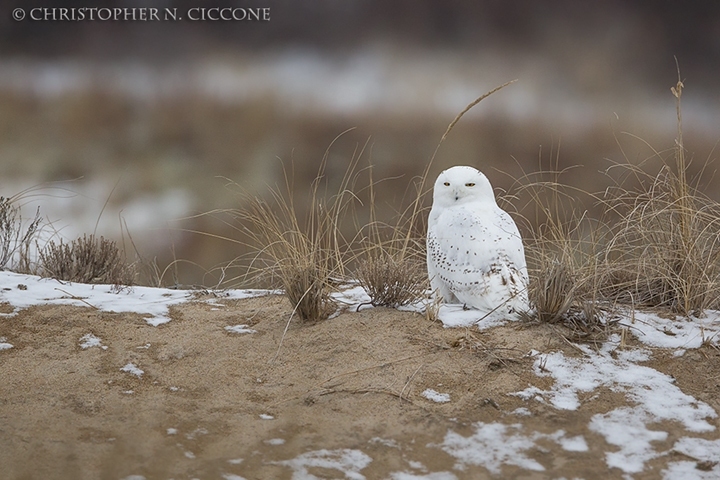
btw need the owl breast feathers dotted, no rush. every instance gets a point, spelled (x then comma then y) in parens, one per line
(475, 254)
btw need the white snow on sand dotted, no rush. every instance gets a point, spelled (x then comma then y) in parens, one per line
(239, 329)
(496, 444)
(423, 476)
(706, 453)
(652, 397)
(132, 369)
(680, 332)
(452, 315)
(436, 397)
(654, 391)
(152, 303)
(4, 345)
(348, 461)
(232, 476)
(89, 340)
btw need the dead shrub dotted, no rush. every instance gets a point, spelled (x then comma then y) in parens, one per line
(87, 260)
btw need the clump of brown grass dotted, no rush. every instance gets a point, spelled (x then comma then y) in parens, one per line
(562, 246)
(306, 258)
(302, 261)
(16, 239)
(87, 260)
(655, 245)
(390, 278)
(665, 250)
(391, 258)
(391, 267)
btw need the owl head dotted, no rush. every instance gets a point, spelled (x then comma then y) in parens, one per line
(458, 185)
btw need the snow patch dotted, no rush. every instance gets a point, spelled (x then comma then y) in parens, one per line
(132, 369)
(239, 329)
(348, 461)
(678, 332)
(653, 395)
(452, 315)
(150, 302)
(522, 411)
(232, 476)
(429, 476)
(385, 441)
(495, 444)
(153, 303)
(89, 340)
(655, 392)
(436, 397)
(4, 345)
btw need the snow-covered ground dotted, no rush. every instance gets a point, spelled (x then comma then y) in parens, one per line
(631, 431)
(23, 291)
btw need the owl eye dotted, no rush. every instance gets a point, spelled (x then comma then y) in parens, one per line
(470, 184)
(447, 184)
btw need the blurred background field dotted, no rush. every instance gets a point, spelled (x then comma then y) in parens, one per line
(156, 118)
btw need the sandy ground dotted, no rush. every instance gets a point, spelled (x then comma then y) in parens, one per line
(215, 404)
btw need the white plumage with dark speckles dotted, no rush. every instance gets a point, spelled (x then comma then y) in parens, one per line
(475, 254)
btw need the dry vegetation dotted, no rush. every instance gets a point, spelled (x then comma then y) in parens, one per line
(391, 258)
(87, 260)
(665, 251)
(655, 244)
(304, 258)
(16, 239)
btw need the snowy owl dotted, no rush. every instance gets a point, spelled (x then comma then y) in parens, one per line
(475, 255)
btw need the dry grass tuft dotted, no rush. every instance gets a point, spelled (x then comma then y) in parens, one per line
(304, 258)
(665, 250)
(390, 278)
(16, 240)
(391, 261)
(656, 244)
(562, 247)
(302, 261)
(87, 260)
